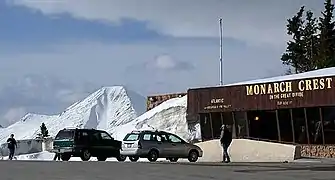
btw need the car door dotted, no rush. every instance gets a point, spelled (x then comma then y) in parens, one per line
(166, 146)
(178, 147)
(82, 140)
(95, 143)
(109, 146)
(163, 145)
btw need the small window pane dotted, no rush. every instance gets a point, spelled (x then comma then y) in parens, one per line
(131, 137)
(147, 137)
(174, 139)
(105, 136)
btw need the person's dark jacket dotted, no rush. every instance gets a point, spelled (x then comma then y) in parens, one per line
(226, 136)
(11, 143)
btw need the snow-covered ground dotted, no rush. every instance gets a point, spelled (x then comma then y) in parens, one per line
(47, 156)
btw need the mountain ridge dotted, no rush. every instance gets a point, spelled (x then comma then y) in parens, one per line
(106, 108)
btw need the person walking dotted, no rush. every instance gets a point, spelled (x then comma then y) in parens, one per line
(225, 140)
(11, 142)
(57, 156)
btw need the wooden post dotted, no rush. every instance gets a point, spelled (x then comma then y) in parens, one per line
(292, 125)
(322, 132)
(234, 125)
(306, 123)
(201, 128)
(278, 126)
(246, 123)
(211, 124)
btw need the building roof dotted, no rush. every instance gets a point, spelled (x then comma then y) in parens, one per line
(306, 75)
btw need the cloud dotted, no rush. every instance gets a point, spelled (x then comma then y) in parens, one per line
(257, 22)
(13, 115)
(166, 62)
(124, 64)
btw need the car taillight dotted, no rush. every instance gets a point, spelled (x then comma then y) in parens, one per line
(139, 145)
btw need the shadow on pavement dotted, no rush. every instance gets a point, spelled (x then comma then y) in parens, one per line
(263, 167)
(319, 168)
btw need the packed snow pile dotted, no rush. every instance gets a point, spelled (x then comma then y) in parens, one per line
(169, 116)
(47, 156)
(107, 108)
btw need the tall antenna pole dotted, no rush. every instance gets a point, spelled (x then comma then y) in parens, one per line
(221, 73)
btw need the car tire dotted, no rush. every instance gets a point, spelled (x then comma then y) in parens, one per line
(86, 155)
(153, 155)
(101, 158)
(133, 158)
(174, 159)
(193, 156)
(121, 158)
(65, 156)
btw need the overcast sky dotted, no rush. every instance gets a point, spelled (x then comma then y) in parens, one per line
(151, 46)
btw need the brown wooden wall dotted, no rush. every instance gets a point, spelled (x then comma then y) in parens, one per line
(153, 101)
(264, 96)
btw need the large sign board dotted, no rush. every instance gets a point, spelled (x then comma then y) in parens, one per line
(264, 96)
(284, 93)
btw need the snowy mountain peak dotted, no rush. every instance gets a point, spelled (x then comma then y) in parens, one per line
(106, 108)
(27, 116)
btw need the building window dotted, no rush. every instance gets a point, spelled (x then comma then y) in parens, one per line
(328, 116)
(263, 125)
(314, 125)
(217, 120)
(300, 128)
(285, 125)
(206, 126)
(241, 124)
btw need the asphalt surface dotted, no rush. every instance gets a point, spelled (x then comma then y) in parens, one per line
(42, 170)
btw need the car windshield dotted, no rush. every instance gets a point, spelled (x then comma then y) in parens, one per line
(131, 137)
(65, 134)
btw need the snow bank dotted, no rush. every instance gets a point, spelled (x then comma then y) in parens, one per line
(47, 156)
(169, 116)
(23, 147)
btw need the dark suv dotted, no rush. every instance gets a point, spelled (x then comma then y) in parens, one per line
(86, 143)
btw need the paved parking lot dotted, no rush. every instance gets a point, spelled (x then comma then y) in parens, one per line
(35, 170)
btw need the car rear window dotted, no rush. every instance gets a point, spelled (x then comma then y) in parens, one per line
(65, 134)
(131, 137)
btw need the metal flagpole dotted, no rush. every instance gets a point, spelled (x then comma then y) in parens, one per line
(221, 64)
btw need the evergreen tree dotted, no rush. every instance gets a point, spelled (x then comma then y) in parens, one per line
(44, 131)
(294, 55)
(310, 43)
(327, 36)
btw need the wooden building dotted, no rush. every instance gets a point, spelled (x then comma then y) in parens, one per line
(296, 108)
(155, 100)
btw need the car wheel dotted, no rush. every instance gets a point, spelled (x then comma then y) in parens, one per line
(86, 155)
(101, 158)
(173, 159)
(133, 158)
(193, 156)
(65, 156)
(153, 155)
(121, 158)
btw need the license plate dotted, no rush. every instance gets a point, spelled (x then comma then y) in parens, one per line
(128, 145)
